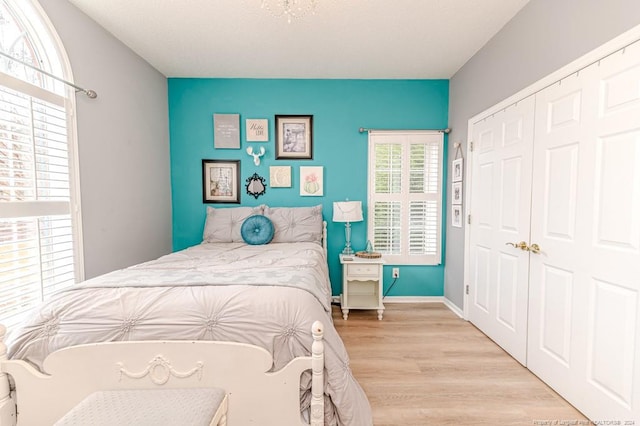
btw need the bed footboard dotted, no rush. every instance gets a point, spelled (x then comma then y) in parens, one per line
(255, 395)
(7, 403)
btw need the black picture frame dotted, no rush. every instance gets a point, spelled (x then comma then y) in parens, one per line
(294, 137)
(256, 186)
(221, 181)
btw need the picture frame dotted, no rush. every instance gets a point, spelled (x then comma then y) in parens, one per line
(294, 137)
(257, 130)
(456, 216)
(255, 186)
(226, 131)
(312, 181)
(221, 181)
(456, 193)
(280, 176)
(456, 170)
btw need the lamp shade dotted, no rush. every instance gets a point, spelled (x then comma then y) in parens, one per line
(347, 211)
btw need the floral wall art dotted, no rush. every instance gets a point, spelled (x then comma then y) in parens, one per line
(311, 181)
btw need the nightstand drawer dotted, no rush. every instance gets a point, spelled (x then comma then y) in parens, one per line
(355, 270)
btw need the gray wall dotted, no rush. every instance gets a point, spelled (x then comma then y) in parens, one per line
(543, 37)
(123, 140)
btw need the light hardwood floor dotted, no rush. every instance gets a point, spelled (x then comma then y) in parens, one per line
(423, 365)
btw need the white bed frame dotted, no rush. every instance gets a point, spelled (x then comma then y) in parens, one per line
(255, 395)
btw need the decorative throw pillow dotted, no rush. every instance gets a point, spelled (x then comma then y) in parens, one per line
(296, 224)
(257, 230)
(223, 224)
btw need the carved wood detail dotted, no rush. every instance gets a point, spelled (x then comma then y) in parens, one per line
(160, 370)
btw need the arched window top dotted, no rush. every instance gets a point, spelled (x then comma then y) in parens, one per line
(24, 36)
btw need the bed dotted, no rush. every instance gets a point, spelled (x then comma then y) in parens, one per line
(224, 290)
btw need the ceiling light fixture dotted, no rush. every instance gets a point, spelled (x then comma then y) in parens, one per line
(291, 9)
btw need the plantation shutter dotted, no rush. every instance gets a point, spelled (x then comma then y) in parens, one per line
(36, 232)
(405, 198)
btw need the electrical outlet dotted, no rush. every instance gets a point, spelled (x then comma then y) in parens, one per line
(395, 272)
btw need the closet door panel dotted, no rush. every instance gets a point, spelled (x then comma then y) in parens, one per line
(556, 271)
(501, 178)
(561, 182)
(612, 381)
(556, 292)
(586, 220)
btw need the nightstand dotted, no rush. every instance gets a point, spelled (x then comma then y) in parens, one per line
(361, 285)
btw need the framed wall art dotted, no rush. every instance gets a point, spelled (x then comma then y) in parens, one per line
(257, 130)
(456, 193)
(280, 176)
(311, 181)
(456, 173)
(226, 131)
(294, 137)
(456, 216)
(221, 181)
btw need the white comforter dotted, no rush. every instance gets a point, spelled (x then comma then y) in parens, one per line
(263, 295)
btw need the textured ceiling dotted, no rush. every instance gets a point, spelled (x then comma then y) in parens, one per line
(408, 39)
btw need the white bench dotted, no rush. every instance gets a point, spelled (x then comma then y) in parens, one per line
(150, 407)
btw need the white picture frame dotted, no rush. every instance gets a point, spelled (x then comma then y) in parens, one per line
(457, 170)
(456, 193)
(257, 129)
(456, 216)
(280, 176)
(311, 181)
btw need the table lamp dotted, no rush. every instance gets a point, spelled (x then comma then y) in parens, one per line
(347, 212)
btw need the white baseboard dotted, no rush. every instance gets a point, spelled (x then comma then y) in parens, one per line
(413, 299)
(403, 299)
(449, 304)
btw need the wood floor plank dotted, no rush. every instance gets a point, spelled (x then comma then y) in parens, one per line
(423, 365)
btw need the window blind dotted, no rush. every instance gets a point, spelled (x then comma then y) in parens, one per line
(405, 196)
(36, 230)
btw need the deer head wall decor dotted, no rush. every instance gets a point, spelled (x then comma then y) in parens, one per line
(256, 156)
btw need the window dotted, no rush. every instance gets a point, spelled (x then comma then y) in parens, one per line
(39, 208)
(405, 196)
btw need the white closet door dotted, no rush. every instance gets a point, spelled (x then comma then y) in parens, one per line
(501, 168)
(584, 316)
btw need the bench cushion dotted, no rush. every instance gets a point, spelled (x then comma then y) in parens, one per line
(146, 407)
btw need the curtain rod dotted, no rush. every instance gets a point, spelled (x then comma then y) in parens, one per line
(363, 129)
(90, 93)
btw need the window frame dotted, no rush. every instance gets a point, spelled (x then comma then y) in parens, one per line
(404, 197)
(47, 45)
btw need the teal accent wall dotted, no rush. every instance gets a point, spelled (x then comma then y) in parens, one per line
(339, 109)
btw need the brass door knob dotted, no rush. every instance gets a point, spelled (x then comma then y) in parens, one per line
(521, 245)
(535, 248)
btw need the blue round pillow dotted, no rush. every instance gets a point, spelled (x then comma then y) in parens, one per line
(257, 230)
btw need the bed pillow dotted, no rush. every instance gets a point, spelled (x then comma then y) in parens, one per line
(223, 225)
(257, 230)
(296, 224)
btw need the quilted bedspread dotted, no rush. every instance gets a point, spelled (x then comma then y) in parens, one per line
(267, 296)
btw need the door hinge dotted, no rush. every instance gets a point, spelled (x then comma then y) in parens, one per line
(467, 289)
(469, 219)
(471, 145)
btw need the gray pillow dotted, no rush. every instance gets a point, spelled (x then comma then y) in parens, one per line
(296, 224)
(223, 225)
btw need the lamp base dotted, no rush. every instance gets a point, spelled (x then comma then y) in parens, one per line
(348, 251)
(347, 236)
